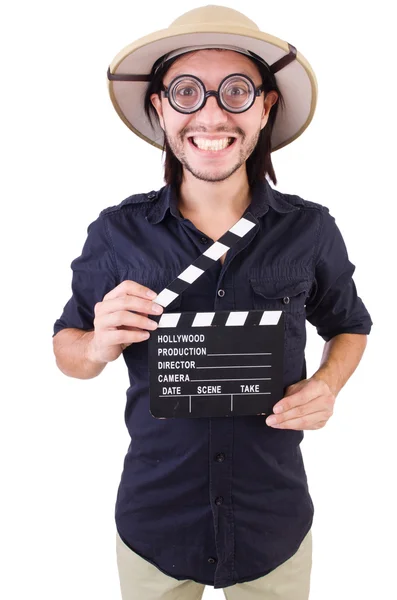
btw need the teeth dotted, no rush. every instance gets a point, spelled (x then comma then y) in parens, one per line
(213, 145)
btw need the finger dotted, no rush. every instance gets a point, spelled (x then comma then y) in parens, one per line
(141, 336)
(117, 337)
(304, 396)
(123, 318)
(128, 328)
(318, 404)
(128, 302)
(313, 421)
(297, 399)
(132, 288)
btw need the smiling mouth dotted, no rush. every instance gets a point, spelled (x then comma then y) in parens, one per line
(212, 145)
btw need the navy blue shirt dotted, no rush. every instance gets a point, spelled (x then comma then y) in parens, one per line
(217, 500)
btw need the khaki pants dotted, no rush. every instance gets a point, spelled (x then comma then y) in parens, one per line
(140, 580)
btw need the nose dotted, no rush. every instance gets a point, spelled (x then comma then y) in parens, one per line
(211, 114)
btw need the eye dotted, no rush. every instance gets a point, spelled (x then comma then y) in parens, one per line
(186, 91)
(237, 91)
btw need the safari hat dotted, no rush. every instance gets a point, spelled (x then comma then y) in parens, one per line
(213, 27)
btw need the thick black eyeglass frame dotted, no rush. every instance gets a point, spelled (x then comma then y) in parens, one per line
(207, 93)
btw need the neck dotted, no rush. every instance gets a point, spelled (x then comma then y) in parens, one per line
(214, 199)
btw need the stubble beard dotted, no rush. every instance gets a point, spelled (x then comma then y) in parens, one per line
(246, 149)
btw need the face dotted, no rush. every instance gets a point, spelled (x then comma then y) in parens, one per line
(213, 143)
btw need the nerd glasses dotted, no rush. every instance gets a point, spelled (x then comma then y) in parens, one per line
(236, 93)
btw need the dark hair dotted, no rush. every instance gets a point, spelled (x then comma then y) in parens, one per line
(259, 164)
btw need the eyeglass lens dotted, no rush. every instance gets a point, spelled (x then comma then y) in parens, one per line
(235, 93)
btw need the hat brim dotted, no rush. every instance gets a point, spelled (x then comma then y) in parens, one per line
(297, 81)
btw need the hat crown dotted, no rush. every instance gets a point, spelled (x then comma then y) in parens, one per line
(214, 15)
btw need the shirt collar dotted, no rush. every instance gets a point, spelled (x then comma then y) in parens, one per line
(167, 201)
(263, 197)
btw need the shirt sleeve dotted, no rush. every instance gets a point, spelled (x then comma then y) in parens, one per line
(333, 305)
(94, 275)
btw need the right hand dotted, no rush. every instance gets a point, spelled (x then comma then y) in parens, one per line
(115, 326)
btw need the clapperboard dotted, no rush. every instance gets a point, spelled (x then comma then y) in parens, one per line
(215, 364)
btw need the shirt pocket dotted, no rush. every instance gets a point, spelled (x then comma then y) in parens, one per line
(289, 297)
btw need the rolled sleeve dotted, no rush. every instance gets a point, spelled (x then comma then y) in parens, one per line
(333, 305)
(94, 275)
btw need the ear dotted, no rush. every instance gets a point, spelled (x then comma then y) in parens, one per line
(155, 100)
(270, 100)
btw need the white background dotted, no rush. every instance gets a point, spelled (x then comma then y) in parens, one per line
(66, 156)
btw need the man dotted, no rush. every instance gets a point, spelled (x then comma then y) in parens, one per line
(218, 501)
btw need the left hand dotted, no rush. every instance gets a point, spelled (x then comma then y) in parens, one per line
(307, 404)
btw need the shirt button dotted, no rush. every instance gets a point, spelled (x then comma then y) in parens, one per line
(219, 500)
(151, 195)
(221, 293)
(286, 300)
(212, 560)
(220, 457)
(204, 240)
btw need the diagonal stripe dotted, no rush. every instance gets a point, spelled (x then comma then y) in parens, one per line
(165, 297)
(254, 317)
(203, 319)
(169, 319)
(242, 227)
(206, 260)
(186, 319)
(249, 217)
(229, 239)
(270, 317)
(216, 251)
(220, 318)
(178, 286)
(203, 262)
(237, 318)
(190, 274)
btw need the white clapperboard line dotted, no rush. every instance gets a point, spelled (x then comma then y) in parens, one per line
(206, 319)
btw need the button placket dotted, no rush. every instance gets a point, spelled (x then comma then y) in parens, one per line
(242, 244)
(221, 434)
(230, 256)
